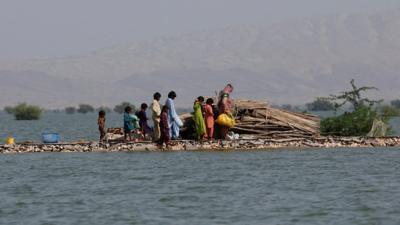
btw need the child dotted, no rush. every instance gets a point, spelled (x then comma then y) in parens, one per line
(156, 116)
(130, 123)
(198, 118)
(143, 119)
(209, 117)
(164, 127)
(101, 121)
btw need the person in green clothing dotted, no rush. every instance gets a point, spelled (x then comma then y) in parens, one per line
(131, 123)
(198, 118)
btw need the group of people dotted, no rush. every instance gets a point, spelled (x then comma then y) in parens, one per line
(166, 121)
(206, 115)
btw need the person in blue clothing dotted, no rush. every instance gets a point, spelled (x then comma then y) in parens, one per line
(174, 121)
(130, 123)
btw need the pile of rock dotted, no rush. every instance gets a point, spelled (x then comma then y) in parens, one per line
(216, 145)
(30, 148)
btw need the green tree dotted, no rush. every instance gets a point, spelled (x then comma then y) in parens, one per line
(85, 108)
(320, 104)
(353, 97)
(70, 110)
(357, 122)
(24, 111)
(121, 107)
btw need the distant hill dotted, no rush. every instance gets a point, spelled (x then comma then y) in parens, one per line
(290, 62)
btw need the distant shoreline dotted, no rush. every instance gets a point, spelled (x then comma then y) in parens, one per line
(217, 145)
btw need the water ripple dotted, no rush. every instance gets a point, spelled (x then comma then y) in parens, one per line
(253, 187)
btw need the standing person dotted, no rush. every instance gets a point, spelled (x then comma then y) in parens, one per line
(130, 123)
(164, 127)
(198, 118)
(155, 107)
(174, 121)
(225, 106)
(143, 119)
(209, 117)
(101, 121)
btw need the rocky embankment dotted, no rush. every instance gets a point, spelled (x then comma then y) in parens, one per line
(186, 145)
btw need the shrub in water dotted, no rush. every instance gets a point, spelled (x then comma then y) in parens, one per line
(121, 107)
(24, 111)
(85, 108)
(356, 123)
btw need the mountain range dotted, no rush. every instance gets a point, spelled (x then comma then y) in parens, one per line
(288, 62)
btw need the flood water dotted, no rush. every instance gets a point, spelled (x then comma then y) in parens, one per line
(320, 186)
(73, 127)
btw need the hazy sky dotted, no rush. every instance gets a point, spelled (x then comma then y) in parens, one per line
(45, 28)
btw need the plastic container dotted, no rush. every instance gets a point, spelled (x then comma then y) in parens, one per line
(226, 120)
(10, 141)
(50, 138)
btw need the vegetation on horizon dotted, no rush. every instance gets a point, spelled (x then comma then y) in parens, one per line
(104, 108)
(85, 108)
(320, 104)
(24, 111)
(121, 107)
(70, 110)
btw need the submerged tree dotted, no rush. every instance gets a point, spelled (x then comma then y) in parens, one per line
(121, 107)
(353, 97)
(85, 108)
(357, 122)
(24, 111)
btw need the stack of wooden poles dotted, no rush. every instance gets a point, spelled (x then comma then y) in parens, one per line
(260, 120)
